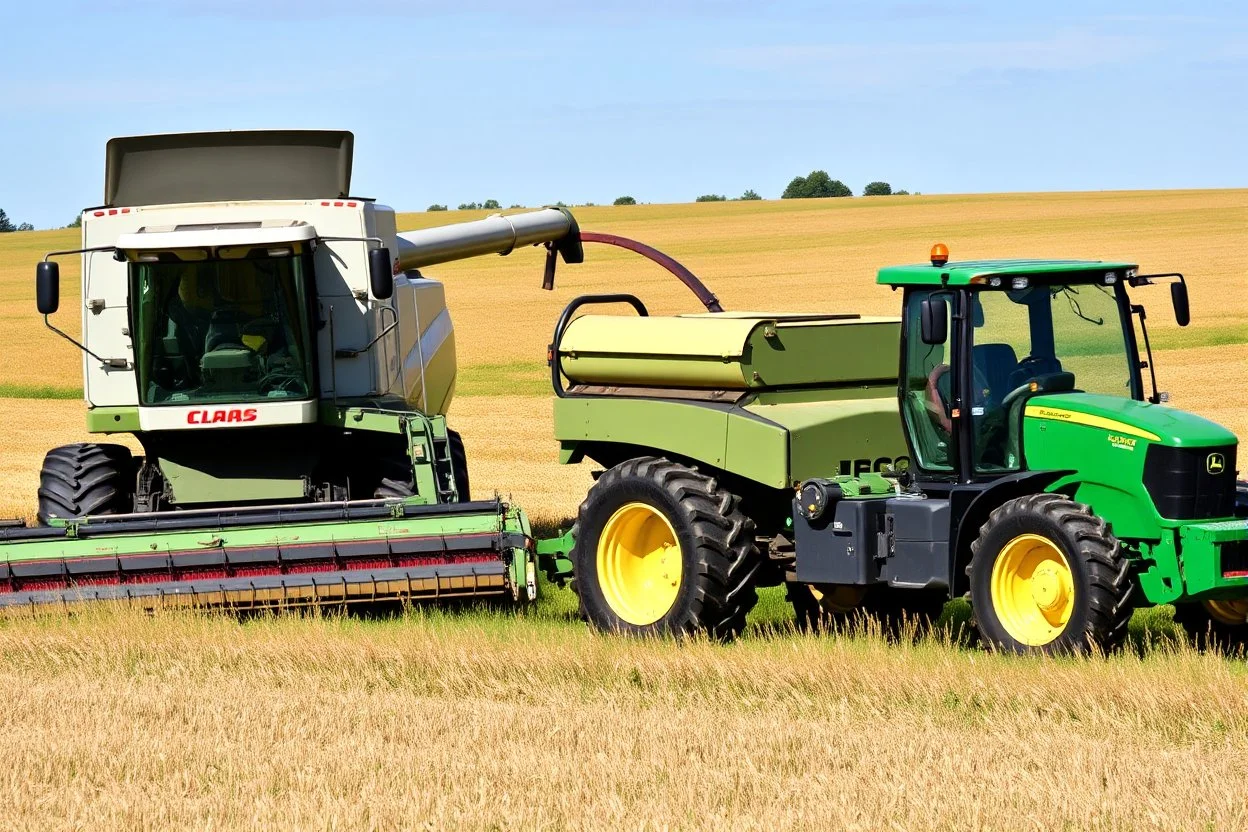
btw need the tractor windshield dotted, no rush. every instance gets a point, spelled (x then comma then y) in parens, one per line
(1065, 335)
(230, 328)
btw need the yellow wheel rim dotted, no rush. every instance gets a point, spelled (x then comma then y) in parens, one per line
(837, 599)
(1232, 613)
(639, 563)
(1033, 589)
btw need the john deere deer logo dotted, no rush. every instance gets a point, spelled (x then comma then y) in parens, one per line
(1215, 463)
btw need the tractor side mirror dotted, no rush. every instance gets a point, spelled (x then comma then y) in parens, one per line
(380, 273)
(47, 287)
(934, 321)
(1178, 297)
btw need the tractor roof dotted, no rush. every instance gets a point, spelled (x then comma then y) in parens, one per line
(968, 272)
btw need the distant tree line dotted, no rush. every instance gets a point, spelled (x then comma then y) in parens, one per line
(818, 185)
(6, 224)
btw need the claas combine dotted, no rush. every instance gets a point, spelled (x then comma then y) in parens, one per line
(272, 345)
(270, 342)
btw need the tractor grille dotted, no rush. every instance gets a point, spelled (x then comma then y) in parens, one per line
(1235, 559)
(1191, 483)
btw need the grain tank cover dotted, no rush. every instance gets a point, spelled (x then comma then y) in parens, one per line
(730, 350)
(228, 166)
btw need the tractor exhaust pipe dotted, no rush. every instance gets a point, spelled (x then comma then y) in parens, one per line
(556, 228)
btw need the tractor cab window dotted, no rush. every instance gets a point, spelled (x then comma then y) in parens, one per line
(230, 328)
(1062, 336)
(927, 389)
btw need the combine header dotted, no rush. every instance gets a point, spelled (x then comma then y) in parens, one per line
(269, 341)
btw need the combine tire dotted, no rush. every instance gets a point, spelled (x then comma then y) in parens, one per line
(405, 487)
(83, 479)
(1219, 625)
(1046, 575)
(817, 607)
(662, 549)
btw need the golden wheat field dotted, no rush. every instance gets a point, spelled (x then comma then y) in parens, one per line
(491, 720)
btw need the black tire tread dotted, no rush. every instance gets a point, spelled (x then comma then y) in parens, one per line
(87, 478)
(727, 560)
(1207, 632)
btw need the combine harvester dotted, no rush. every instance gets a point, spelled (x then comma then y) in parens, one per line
(271, 344)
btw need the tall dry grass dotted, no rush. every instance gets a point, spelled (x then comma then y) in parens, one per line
(117, 720)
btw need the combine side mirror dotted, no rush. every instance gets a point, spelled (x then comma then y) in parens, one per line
(934, 321)
(380, 273)
(1178, 297)
(47, 287)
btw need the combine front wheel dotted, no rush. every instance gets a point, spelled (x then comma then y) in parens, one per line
(1046, 575)
(661, 548)
(87, 478)
(1218, 624)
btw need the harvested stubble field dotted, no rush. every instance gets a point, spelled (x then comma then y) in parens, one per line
(485, 720)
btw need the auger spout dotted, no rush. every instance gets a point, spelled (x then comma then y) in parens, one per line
(497, 234)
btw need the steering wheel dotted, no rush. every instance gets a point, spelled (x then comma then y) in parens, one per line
(277, 382)
(936, 401)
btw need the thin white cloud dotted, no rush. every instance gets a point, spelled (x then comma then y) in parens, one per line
(939, 62)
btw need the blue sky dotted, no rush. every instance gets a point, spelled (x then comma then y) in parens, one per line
(532, 101)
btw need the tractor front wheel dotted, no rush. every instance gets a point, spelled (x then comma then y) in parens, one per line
(1220, 624)
(660, 548)
(1046, 575)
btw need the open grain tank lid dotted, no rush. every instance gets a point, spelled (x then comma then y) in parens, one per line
(228, 165)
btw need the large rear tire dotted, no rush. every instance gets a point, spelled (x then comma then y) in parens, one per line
(1221, 625)
(1047, 576)
(660, 548)
(401, 485)
(88, 478)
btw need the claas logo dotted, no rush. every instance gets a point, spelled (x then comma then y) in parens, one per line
(216, 417)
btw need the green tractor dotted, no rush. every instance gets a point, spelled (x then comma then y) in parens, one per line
(1012, 456)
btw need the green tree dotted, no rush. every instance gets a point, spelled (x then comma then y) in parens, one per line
(877, 189)
(817, 185)
(750, 194)
(624, 200)
(711, 198)
(25, 227)
(517, 205)
(5, 223)
(492, 204)
(468, 206)
(436, 207)
(901, 192)
(77, 223)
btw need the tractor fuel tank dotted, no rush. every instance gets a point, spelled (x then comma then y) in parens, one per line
(731, 350)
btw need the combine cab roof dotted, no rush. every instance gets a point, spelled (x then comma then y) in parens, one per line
(970, 272)
(229, 165)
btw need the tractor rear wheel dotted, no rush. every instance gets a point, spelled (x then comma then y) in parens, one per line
(817, 606)
(1046, 575)
(660, 548)
(1221, 625)
(88, 478)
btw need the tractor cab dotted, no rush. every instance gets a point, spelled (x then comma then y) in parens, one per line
(982, 338)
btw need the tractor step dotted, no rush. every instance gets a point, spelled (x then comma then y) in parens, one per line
(300, 555)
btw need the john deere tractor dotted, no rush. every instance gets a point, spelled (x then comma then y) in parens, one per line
(998, 442)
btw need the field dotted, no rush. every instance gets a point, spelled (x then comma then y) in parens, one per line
(483, 720)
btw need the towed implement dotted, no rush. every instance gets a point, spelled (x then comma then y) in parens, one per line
(997, 442)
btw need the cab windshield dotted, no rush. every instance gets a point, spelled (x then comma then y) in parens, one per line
(1069, 336)
(222, 329)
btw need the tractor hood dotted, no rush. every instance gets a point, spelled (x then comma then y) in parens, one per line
(1141, 420)
(227, 166)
